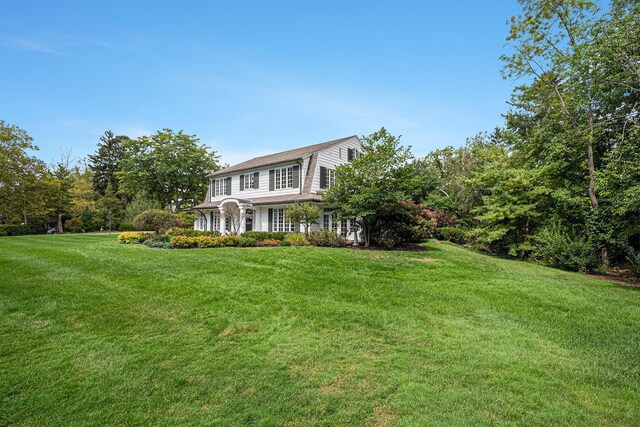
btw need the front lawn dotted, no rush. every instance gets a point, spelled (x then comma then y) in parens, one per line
(93, 332)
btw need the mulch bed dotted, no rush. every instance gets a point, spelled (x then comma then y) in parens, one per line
(621, 277)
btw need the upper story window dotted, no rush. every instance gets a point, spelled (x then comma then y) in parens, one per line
(249, 181)
(327, 177)
(221, 187)
(286, 177)
(352, 153)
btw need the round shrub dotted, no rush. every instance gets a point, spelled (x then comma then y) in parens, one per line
(246, 242)
(131, 237)
(326, 238)
(285, 243)
(296, 239)
(156, 219)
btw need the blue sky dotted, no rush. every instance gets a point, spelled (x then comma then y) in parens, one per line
(250, 78)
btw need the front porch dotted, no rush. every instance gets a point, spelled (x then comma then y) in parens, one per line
(236, 216)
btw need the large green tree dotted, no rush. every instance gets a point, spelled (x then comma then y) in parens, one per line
(380, 175)
(106, 162)
(169, 166)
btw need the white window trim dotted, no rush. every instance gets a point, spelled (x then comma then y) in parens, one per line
(248, 181)
(283, 178)
(279, 221)
(219, 187)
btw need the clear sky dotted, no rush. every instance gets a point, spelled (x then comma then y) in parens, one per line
(250, 78)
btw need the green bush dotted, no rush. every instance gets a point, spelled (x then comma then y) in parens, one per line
(156, 220)
(296, 239)
(452, 234)
(557, 248)
(20, 229)
(196, 233)
(130, 237)
(268, 242)
(326, 238)
(285, 243)
(266, 235)
(126, 226)
(74, 224)
(246, 242)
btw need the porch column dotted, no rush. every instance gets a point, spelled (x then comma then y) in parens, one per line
(243, 220)
(223, 222)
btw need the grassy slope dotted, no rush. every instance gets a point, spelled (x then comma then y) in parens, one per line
(95, 332)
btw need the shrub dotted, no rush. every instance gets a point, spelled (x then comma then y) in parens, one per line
(326, 238)
(285, 243)
(229, 240)
(296, 239)
(403, 222)
(556, 247)
(126, 226)
(266, 235)
(74, 224)
(156, 219)
(196, 233)
(174, 231)
(183, 242)
(21, 229)
(452, 234)
(268, 242)
(246, 242)
(207, 241)
(133, 237)
(444, 218)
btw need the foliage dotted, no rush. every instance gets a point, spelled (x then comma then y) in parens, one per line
(326, 238)
(246, 242)
(133, 237)
(285, 243)
(306, 214)
(268, 242)
(21, 229)
(296, 239)
(140, 202)
(106, 163)
(204, 241)
(155, 219)
(265, 235)
(74, 224)
(403, 222)
(381, 175)
(452, 234)
(169, 166)
(126, 226)
(557, 248)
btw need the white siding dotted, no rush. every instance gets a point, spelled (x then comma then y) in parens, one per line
(330, 158)
(263, 187)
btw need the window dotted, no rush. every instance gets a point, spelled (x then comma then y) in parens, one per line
(326, 221)
(280, 223)
(220, 187)
(344, 228)
(331, 178)
(248, 181)
(215, 221)
(284, 178)
(201, 227)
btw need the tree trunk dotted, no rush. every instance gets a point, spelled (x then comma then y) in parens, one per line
(604, 253)
(59, 225)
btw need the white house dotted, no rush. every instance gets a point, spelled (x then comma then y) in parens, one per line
(254, 195)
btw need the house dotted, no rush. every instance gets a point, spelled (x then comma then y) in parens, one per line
(254, 195)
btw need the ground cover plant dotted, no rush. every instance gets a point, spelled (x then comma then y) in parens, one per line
(95, 332)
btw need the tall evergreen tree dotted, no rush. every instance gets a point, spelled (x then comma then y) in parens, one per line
(107, 162)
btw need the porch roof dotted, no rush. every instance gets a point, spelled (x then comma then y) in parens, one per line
(269, 200)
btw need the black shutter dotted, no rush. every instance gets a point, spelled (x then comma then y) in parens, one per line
(296, 176)
(211, 222)
(256, 180)
(272, 183)
(323, 177)
(228, 185)
(241, 182)
(349, 154)
(270, 219)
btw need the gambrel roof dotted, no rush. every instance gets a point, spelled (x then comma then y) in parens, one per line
(283, 156)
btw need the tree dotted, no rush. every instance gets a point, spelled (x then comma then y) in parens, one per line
(303, 213)
(107, 162)
(110, 208)
(59, 195)
(156, 219)
(139, 203)
(381, 175)
(21, 176)
(169, 166)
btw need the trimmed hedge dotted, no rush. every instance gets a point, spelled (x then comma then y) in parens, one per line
(327, 239)
(185, 242)
(452, 234)
(266, 235)
(134, 237)
(21, 229)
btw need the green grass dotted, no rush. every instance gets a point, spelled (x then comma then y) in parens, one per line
(93, 332)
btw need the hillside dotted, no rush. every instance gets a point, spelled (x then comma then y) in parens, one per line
(93, 332)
